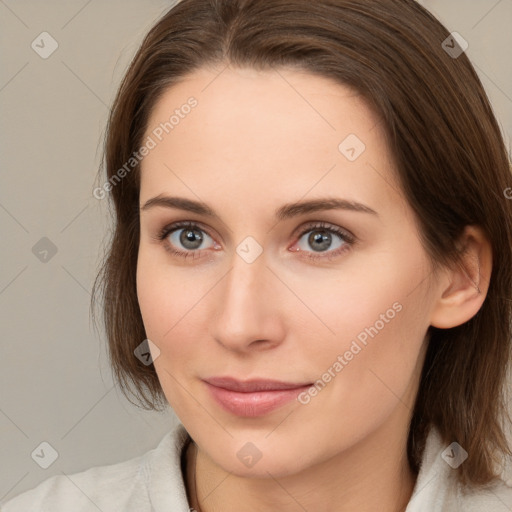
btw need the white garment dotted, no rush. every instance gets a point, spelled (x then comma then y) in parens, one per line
(153, 482)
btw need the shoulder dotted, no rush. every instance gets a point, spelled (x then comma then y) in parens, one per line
(125, 486)
(496, 497)
(103, 487)
(437, 487)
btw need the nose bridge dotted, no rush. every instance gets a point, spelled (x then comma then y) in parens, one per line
(246, 311)
(243, 295)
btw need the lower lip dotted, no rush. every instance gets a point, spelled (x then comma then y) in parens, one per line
(255, 403)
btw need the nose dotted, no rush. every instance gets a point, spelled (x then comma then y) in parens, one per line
(249, 311)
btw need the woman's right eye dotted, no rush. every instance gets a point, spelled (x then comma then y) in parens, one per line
(186, 239)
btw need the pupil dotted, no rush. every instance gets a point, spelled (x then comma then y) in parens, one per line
(191, 239)
(321, 239)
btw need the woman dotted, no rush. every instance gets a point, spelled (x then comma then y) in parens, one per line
(368, 373)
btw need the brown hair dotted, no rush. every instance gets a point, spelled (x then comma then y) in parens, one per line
(451, 164)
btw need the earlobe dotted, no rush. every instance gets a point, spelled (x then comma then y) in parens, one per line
(463, 289)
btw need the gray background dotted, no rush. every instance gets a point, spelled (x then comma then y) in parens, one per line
(55, 381)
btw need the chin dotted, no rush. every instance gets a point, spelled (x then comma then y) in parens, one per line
(253, 456)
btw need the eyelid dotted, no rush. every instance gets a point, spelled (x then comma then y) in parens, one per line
(310, 226)
(174, 226)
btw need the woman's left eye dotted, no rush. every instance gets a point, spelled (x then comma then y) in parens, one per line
(323, 238)
(187, 239)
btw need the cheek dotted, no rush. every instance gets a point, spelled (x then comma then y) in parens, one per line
(358, 384)
(173, 302)
(377, 320)
(149, 295)
(164, 293)
(164, 302)
(372, 297)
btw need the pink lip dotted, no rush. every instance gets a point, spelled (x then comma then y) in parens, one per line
(254, 397)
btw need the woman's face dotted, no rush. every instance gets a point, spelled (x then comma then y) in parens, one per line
(277, 278)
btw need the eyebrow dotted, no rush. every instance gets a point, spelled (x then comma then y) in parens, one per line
(286, 211)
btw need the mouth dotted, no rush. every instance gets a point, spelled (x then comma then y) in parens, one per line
(252, 398)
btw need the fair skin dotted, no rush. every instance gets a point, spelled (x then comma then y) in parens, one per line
(257, 141)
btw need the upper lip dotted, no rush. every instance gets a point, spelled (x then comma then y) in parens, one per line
(252, 385)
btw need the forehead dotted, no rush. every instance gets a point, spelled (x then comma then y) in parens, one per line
(266, 133)
(267, 104)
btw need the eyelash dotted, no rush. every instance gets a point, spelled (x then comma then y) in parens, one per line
(346, 237)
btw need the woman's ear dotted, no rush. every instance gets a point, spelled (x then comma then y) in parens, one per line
(462, 291)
